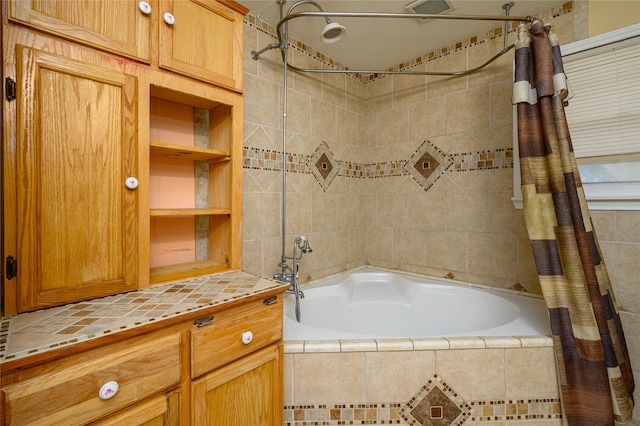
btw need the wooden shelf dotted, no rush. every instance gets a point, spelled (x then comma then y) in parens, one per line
(165, 149)
(185, 270)
(188, 212)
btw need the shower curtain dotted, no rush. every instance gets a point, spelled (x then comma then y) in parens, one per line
(591, 354)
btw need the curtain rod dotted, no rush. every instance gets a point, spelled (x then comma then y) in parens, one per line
(506, 18)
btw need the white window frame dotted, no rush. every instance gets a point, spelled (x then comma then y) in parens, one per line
(600, 196)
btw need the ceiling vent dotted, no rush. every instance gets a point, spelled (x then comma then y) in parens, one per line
(430, 7)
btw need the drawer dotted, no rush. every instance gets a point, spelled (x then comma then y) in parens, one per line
(70, 395)
(222, 342)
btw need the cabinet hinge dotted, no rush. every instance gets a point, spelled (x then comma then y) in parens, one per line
(10, 88)
(11, 269)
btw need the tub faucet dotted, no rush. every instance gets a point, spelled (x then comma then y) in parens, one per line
(291, 277)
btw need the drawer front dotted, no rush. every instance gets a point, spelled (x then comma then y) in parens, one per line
(226, 338)
(70, 396)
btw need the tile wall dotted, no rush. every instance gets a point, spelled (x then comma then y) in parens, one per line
(406, 172)
(470, 381)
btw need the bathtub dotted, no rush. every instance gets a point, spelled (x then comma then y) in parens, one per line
(374, 344)
(377, 304)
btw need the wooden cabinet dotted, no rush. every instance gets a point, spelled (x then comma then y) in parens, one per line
(201, 370)
(201, 39)
(75, 146)
(245, 393)
(205, 42)
(116, 26)
(236, 367)
(158, 411)
(84, 121)
(70, 394)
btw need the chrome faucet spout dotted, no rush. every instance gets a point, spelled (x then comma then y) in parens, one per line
(289, 274)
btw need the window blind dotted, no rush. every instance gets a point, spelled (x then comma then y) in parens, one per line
(604, 113)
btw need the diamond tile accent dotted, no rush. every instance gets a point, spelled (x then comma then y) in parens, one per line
(427, 164)
(435, 404)
(323, 165)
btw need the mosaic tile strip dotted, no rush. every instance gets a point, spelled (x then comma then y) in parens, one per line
(388, 413)
(39, 331)
(256, 22)
(483, 160)
(342, 414)
(502, 158)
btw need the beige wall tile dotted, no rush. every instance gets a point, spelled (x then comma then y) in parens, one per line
(468, 110)
(628, 226)
(476, 374)
(396, 376)
(328, 378)
(531, 372)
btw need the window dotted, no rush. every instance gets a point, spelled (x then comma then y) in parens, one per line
(604, 118)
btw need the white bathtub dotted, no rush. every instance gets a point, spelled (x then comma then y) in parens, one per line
(375, 304)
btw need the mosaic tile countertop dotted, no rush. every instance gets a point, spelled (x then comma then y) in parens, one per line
(36, 332)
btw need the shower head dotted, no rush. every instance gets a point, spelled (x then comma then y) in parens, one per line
(332, 32)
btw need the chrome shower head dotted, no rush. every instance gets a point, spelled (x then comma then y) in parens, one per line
(332, 32)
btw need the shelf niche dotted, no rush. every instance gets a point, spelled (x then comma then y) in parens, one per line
(189, 187)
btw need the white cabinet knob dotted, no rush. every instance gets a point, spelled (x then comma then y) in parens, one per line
(131, 182)
(144, 7)
(247, 337)
(169, 18)
(108, 390)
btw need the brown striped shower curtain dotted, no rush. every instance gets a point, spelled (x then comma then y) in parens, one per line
(591, 354)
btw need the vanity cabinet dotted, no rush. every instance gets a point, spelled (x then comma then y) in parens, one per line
(201, 39)
(94, 177)
(236, 367)
(220, 366)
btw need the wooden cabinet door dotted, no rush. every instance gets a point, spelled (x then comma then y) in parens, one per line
(76, 144)
(247, 392)
(117, 26)
(205, 42)
(156, 411)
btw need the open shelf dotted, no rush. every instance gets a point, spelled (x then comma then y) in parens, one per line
(165, 149)
(191, 181)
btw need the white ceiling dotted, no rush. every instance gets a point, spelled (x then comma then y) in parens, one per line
(384, 43)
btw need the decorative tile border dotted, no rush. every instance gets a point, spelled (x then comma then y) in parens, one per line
(263, 159)
(389, 413)
(257, 23)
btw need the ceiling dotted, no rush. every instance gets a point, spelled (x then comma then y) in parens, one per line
(378, 44)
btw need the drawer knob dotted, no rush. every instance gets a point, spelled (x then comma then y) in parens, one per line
(108, 390)
(247, 337)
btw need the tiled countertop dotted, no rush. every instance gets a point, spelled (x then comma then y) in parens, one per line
(40, 331)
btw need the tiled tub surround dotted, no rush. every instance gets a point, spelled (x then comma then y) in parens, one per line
(442, 381)
(37, 332)
(422, 380)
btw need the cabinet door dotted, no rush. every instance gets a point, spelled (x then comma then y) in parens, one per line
(117, 26)
(205, 42)
(247, 392)
(76, 144)
(157, 411)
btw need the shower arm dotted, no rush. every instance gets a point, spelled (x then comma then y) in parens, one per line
(506, 18)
